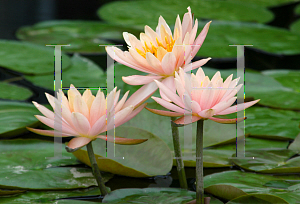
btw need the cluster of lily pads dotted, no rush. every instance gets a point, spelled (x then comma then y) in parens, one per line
(31, 174)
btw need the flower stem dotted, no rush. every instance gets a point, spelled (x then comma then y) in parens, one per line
(199, 163)
(178, 156)
(96, 171)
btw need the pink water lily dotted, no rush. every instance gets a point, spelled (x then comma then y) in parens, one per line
(161, 53)
(201, 98)
(86, 116)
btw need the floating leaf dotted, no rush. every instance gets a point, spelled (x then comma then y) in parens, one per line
(269, 161)
(83, 36)
(26, 154)
(14, 92)
(15, 116)
(153, 195)
(257, 198)
(58, 178)
(141, 13)
(269, 39)
(150, 158)
(28, 58)
(296, 144)
(7, 192)
(270, 123)
(34, 197)
(82, 73)
(232, 184)
(269, 3)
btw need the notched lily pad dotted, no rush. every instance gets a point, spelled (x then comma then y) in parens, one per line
(269, 161)
(29, 58)
(83, 36)
(150, 158)
(152, 195)
(15, 117)
(14, 92)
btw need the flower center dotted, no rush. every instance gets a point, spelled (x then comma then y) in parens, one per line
(160, 50)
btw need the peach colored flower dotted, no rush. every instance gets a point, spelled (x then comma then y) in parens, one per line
(201, 98)
(160, 53)
(86, 116)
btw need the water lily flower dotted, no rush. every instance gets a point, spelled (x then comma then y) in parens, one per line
(161, 53)
(201, 98)
(86, 116)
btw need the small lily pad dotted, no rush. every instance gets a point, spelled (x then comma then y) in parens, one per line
(141, 13)
(83, 36)
(153, 195)
(150, 158)
(14, 92)
(29, 58)
(269, 161)
(15, 117)
(82, 73)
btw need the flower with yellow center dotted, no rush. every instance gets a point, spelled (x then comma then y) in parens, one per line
(161, 53)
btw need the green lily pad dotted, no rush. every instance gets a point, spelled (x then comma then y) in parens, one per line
(252, 143)
(15, 117)
(141, 13)
(14, 92)
(296, 144)
(269, 161)
(50, 196)
(153, 195)
(82, 73)
(58, 178)
(297, 10)
(150, 158)
(28, 58)
(270, 123)
(233, 184)
(257, 198)
(25, 154)
(83, 36)
(221, 34)
(7, 192)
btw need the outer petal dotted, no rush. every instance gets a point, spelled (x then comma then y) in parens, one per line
(238, 107)
(168, 105)
(81, 123)
(98, 107)
(139, 79)
(121, 102)
(48, 132)
(141, 95)
(80, 106)
(98, 127)
(206, 113)
(152, 34)
(121, 140)
(197, 64)
(154, 62)
(180, 121)
(168, 82)
(45, 111)
(119, 117)
(77, 143)
(227, 121)
(207, 97)
(200, 39)
(134, 113)
(164, 113)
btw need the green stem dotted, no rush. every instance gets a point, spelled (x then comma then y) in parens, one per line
(178, 156)
(199, 163)
(95, 169)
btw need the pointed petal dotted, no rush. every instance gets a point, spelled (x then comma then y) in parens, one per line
(177, 28)
(98, 107)
(45, 111)
(206, 113)
(80, 106)
(121, 140)
(168, 105)
(98, 127)
(164, 113)
(81, 123)
(134, 42)
(134, 113)
(86, 95)
(141, 61)
(152, 34)
(227, 121)
(120, 117)
(48, 132)
(181, 121)
(200, 39)
(162, 21)
(139, 79)
(193, 32)
(168, 82)
(121, 102)
(141, 95)
(154, 62)
(238, 107)
(207, 97)
(197, 64)
(77, 143)
(195, 107)
(187, 22)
